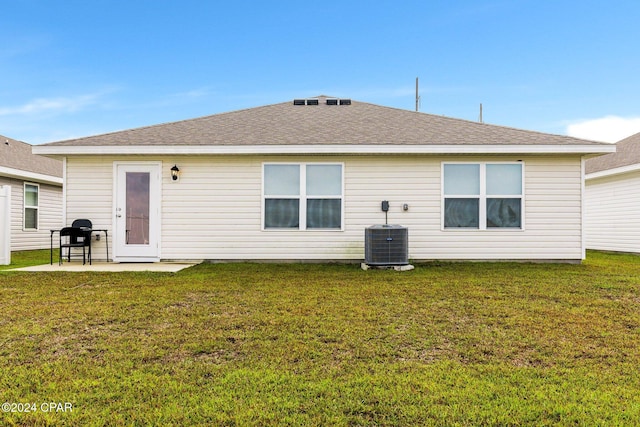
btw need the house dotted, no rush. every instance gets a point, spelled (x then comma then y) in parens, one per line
(301, 180)
(612, 220)
(36, 194)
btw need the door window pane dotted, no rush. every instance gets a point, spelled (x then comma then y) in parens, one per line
(282, 213)
(504, 213)
(137, 202)
(281, 180)
(461, 213)
(324, 213)
(462, 179)
(504, 179)
(324, 180)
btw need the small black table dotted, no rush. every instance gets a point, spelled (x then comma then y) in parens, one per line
(93, 230)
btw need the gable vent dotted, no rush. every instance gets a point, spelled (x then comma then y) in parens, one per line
(315, 101)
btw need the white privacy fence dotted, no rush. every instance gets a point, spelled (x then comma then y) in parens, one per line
(5, 224)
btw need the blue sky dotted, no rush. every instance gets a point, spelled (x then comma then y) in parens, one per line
(77, 68)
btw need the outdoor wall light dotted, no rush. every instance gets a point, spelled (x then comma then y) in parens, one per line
(175, 172)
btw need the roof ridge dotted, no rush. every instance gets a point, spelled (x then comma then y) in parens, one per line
(473, 122)
(357, 124)
(166, 123)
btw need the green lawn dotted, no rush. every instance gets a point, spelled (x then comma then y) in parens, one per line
(29, 258)
(451, 344)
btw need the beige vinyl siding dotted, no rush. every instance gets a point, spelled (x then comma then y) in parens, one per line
(49, 215)
(214, 211)
(551, 214)
(612, 220)
(90, 196)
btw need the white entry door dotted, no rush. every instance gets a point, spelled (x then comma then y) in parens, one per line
(137, 212)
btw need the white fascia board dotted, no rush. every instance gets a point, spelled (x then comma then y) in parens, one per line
(320, 149)
(614, 171)
(30, 176)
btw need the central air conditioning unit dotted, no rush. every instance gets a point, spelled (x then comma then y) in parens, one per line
(386, 245)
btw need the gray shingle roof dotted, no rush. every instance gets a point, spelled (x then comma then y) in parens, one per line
(627, 153)
(17, 155)
(289, 124)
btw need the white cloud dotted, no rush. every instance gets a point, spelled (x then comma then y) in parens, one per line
(54, 118)
(607, 129)
(51, 105)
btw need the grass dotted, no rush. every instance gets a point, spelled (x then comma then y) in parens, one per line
(22, 259)
(451, 344)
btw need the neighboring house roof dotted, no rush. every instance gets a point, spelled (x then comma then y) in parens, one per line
(348, 127)
(18, 161)
(627, 155)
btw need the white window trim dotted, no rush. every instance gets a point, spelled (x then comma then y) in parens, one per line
(482, 226)
(25, 207)
(303, 197)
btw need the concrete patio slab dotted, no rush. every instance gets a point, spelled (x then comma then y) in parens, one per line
(161, 267)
